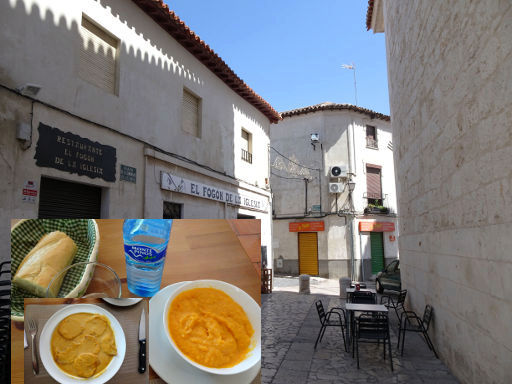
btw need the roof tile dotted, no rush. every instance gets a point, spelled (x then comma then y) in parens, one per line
(335, 107)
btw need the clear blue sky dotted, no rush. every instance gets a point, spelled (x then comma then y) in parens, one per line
(290, 52)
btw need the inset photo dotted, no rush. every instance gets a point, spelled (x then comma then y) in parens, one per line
(201, 280)
(87, 340)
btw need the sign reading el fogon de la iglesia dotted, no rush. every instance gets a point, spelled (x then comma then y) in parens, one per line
(71, 153)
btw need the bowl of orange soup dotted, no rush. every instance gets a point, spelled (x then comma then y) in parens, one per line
(214, 326)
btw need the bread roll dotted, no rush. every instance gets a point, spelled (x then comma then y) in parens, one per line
(54, 252)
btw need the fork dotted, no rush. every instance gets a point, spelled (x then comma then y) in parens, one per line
(32, 330)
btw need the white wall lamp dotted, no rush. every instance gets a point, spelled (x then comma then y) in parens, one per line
(315, 139)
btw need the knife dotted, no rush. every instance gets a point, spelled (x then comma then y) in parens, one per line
(142, 342)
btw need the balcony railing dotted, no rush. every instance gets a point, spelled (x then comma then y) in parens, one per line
(376, 203)
(372, 143)
(246, 156)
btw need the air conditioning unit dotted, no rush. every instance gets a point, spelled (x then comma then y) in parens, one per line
(336, 187)
(338, 171)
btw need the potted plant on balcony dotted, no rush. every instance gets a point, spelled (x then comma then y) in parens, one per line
(375, 208)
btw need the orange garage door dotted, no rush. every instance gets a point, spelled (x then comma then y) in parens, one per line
(308, 253)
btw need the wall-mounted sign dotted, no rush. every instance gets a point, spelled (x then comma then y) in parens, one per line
(29, 193)
(307, 226)
(71, 153)
(315, 208)
(128, 173)
(392, 238)
(179, 184)
(376, 226)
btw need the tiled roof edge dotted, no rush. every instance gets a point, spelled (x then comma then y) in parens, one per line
(172, 24)
(369, 15)
(335, 107)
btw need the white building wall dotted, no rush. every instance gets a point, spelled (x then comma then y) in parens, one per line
(43, 41)
(294, 158)
(450, 85)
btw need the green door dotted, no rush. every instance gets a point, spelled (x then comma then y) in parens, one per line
(377, 248)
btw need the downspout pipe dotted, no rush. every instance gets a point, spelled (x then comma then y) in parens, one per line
(305, 196)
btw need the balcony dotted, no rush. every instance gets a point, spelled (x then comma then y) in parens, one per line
(246, 156)
(371, 143)
(376, 204)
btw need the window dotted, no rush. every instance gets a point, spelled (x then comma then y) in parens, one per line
(191, 113)
(371, 137)
(172, 210)
(246, 146)
(98, 56)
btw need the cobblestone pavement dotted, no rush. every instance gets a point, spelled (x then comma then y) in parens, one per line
(290, 326)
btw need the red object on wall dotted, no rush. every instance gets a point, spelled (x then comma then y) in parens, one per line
(307, 226)
(392, 238)
(376, 226)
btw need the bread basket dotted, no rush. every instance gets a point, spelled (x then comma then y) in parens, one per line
(26, 234)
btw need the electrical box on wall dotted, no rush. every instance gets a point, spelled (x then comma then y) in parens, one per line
(338, 171)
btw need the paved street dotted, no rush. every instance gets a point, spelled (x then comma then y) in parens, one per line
(290, 326)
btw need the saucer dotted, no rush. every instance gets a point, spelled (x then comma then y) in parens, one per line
(170, 366)
(122, 301)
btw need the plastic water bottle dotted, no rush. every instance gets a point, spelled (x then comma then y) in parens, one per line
(145, 244)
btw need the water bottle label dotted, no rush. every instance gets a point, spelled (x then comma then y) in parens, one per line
(144, 254)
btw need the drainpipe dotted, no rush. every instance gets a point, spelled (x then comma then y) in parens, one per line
(305, 196)
(320, 174)
(352, 172)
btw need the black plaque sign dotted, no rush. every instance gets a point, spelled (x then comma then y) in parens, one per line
(74, 154)
(128, 173)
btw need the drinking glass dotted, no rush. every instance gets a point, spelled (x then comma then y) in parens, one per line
(104, 282)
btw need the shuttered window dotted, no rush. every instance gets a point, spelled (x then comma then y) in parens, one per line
(98, 56)
(190, 114)
(373, 183)
(308, 253)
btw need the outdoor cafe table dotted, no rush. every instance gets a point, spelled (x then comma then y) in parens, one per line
(198, 249)
(351, 308)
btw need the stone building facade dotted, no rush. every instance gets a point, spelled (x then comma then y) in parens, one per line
(116, 109)
(320, 227)
(450, 86)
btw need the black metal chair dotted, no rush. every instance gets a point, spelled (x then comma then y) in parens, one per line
(397, 303)
(410, 322)
(372, 329)
(326, 321)
(363, 297)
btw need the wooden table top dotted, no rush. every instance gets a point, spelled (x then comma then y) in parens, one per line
(198, 249)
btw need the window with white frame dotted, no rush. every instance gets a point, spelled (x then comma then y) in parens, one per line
(246, 146)
(371, 137)
(98, 56)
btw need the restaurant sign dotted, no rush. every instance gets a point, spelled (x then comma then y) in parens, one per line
(179, 184)
(71, 153)
(307, 226)
(376, 226)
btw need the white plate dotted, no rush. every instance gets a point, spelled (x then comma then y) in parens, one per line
(170, 366)
(46, 354)
(123, 301)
